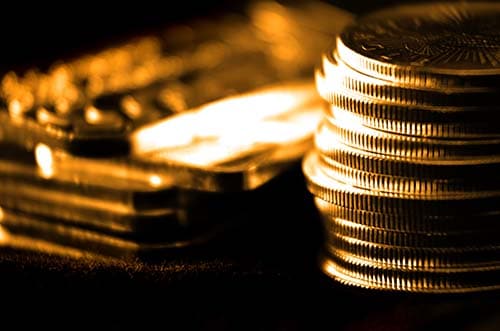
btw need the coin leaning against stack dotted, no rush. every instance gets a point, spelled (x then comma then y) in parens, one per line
(406, 165)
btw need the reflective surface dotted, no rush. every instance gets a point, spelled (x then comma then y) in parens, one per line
(137, 148)
(262, 275)
(403, 145)
(455, 45)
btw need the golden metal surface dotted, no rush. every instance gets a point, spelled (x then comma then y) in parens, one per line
(411, 221)
(338, 73)
(121, 136)
(333, 190)
(456, 239)
(405, 185)
(364, 105)
(371, 140)
(236, 143)
(406, 160)
(482, 128)
(438, 44)
(386, 279)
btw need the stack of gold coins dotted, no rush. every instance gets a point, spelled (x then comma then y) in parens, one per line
(406, 165)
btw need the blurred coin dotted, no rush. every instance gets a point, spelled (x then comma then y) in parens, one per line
(296, 33)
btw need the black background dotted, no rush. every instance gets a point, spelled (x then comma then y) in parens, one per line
(41, 32)
(262, 276)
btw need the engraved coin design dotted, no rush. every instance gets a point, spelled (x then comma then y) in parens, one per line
(452, 39)
(405, 164)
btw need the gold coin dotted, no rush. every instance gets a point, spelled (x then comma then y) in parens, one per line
(449, 130)
(414, 221)
(360, 137)
(431, 45)
(457, 239)
(364, 105)
(352, 274)
(414, 258)
(414, 186)
(473, 169)
(338, 74)
(332, 190)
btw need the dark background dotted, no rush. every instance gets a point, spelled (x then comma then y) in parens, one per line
(41, 32)
(262, 276)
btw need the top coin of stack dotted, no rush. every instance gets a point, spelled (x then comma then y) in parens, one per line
(406, 162)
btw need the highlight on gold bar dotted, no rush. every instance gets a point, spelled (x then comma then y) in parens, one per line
(130, 147)
(237, 143)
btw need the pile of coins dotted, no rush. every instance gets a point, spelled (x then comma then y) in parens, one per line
(406, 165)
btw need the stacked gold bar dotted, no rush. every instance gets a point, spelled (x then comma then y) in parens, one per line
(149, 146)
(406, 166)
